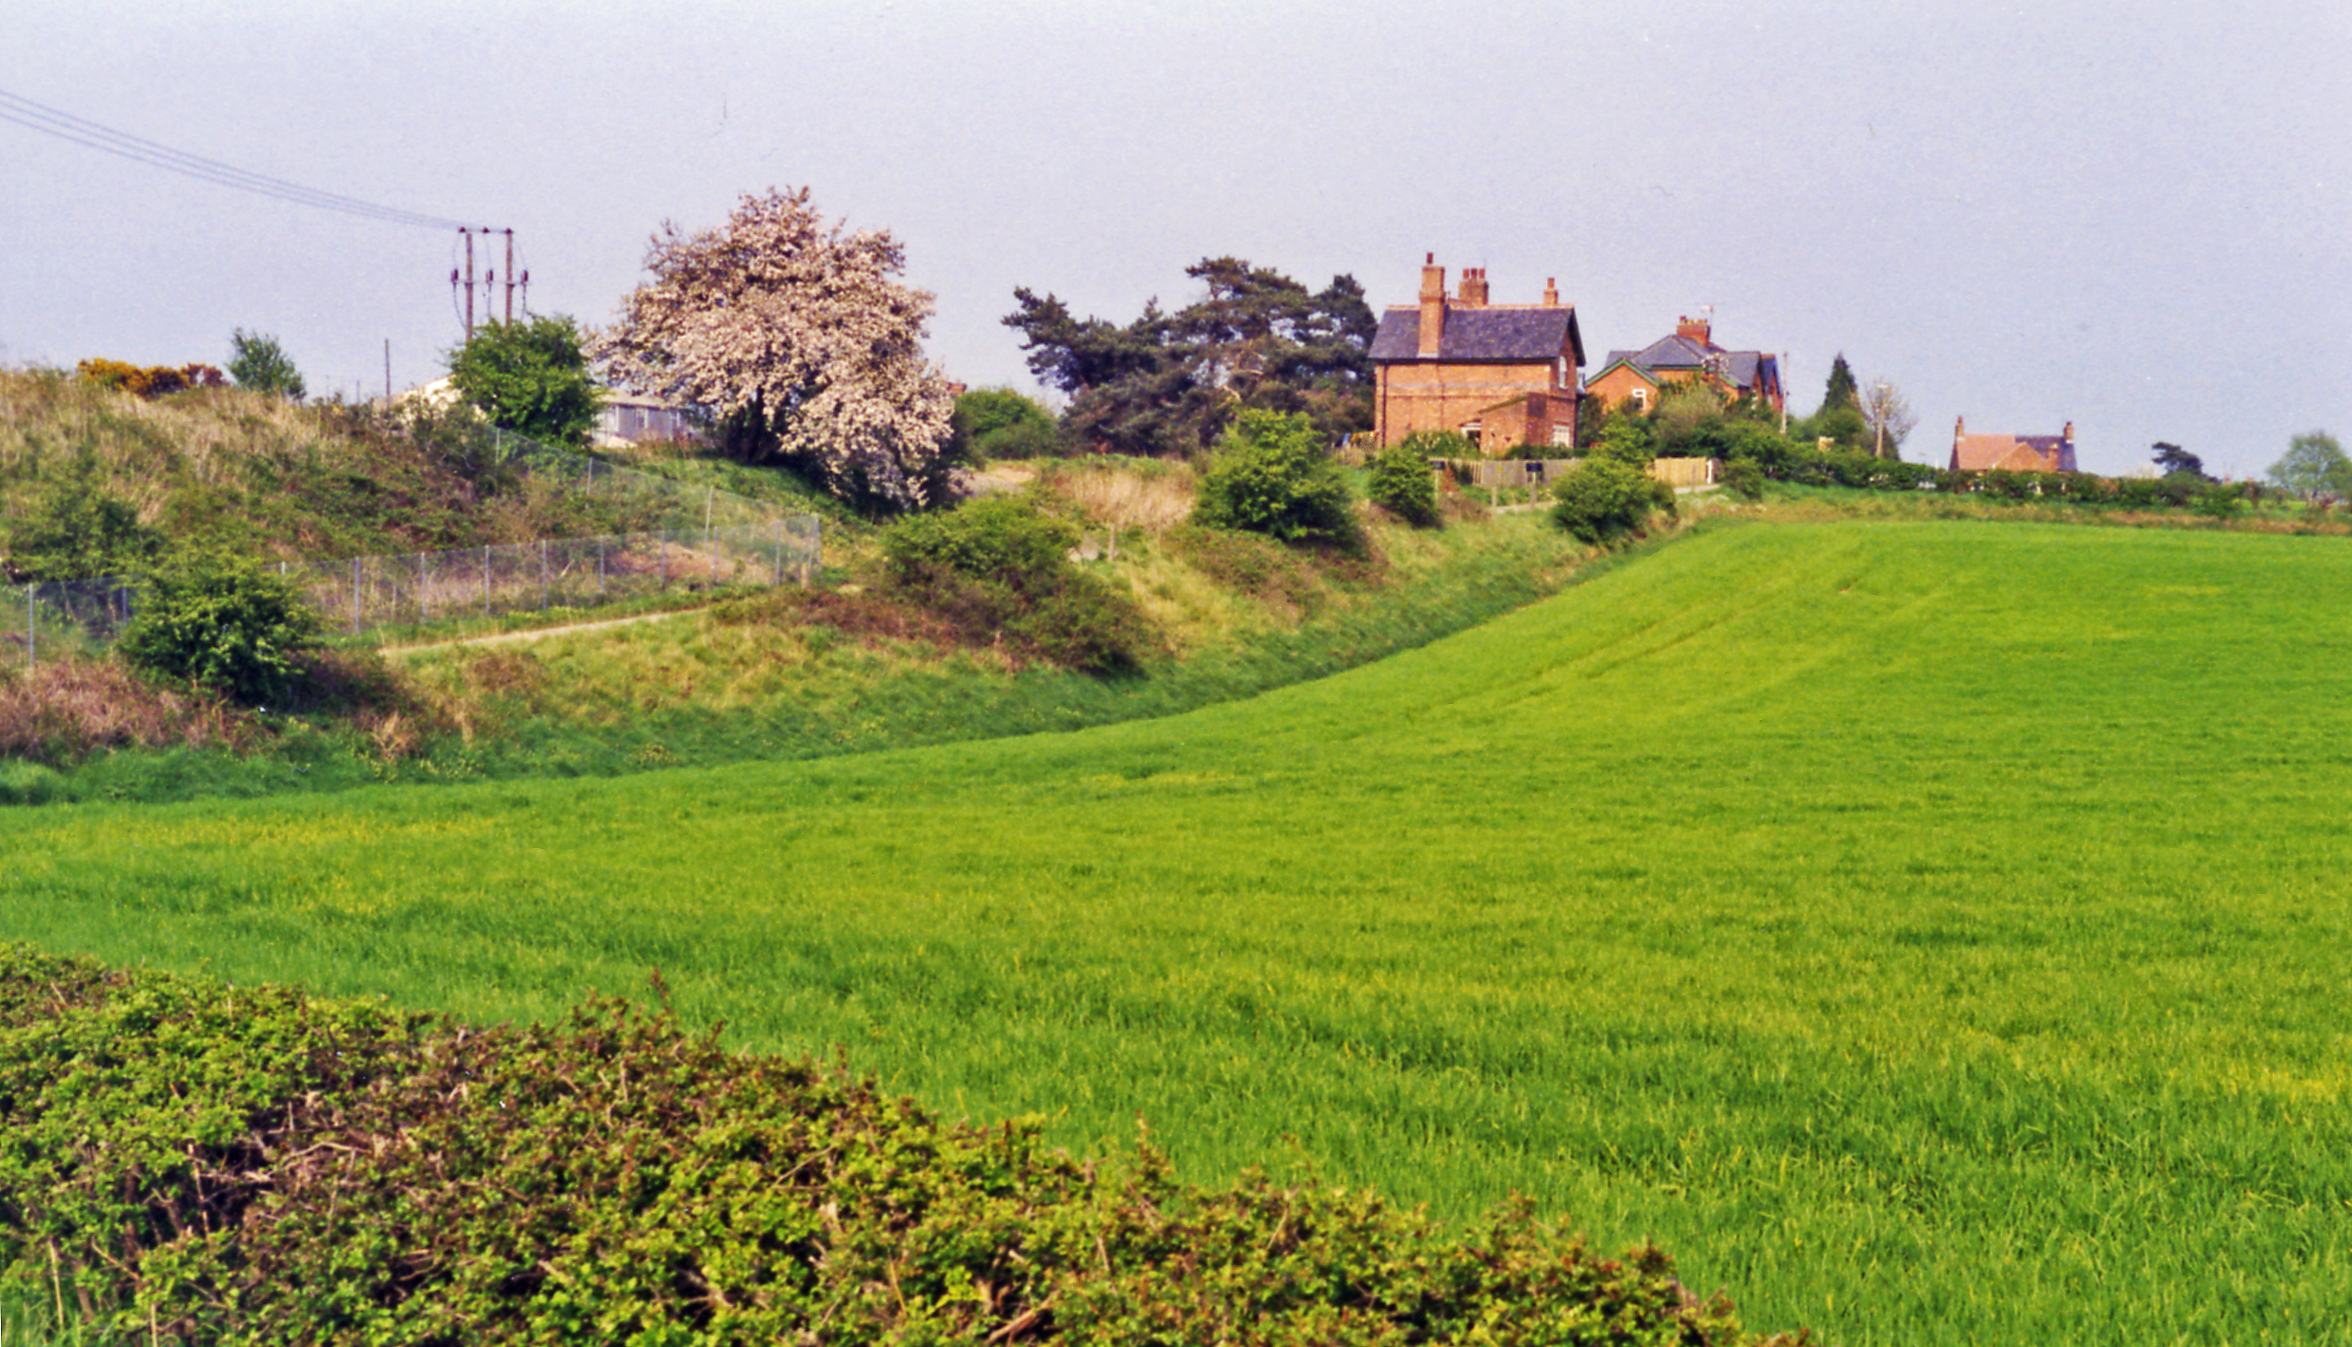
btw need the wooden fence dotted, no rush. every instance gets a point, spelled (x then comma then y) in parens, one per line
(1520, 474)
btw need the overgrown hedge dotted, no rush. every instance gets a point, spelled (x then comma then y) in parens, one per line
(185, 1159)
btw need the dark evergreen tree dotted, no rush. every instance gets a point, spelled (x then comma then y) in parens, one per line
(1171, 383)
(2178, 462)
(1841, 391)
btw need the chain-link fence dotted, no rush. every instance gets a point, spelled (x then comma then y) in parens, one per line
(62, 618)
(364, 593)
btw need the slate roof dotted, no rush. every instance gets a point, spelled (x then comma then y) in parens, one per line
(1744, 369)
(1482, 334)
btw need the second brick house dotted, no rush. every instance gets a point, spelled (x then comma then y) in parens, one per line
(1639, 377)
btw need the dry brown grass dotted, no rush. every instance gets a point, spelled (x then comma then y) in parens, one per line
(66, 710)
(146, 449)
(1121, 497)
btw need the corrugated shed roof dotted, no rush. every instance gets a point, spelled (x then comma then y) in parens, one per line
(1480, 334)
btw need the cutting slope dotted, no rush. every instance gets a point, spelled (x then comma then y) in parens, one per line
(1931, 932)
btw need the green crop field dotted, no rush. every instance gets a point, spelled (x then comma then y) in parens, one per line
(1930, 932)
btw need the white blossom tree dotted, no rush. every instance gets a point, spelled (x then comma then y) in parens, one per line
(799, 341)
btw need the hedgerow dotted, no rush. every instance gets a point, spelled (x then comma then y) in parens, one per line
(188, 1159)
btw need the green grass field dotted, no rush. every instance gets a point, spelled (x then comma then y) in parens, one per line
(1931, 932)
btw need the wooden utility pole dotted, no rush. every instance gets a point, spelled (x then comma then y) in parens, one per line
(510, 277)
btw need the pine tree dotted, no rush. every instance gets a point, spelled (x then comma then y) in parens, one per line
(1841, 392)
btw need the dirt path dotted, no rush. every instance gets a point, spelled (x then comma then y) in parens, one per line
(511, 637)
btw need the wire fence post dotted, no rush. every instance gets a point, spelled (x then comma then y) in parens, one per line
(485, 580)
(543, 590)
(600, 568)
(424, 591)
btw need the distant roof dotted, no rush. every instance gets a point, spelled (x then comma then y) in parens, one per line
(2013, 453)
(1742, 369)
(1536, 333)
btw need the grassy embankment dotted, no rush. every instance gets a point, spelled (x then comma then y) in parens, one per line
(778, 675)
(1931, 932)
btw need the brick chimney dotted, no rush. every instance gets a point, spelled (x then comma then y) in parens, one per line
(1551, 292)
(1696, 329)
(1473, 287)
(1433, 306)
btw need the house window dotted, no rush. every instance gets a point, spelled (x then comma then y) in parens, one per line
(1641, 399)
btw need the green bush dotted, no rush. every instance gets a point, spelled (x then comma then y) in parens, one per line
(999, 570)
(223, 622)
(1402, 482)
(184, 1159)
(1270, 476)
(992, 423)
(1603, 499)
(76, 530)
(1744, 479)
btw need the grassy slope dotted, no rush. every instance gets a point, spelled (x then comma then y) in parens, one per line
(1933, 932)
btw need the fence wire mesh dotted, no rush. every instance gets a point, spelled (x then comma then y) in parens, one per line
(693, 538)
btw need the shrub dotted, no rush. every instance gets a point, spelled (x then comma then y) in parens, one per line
(1602, 499)
(998, 569)
(991, 423)
(149, 381)
(76, 530)
(1402, 482)
(1270, 476)
(1744, 479)
(217, 1164)
(221, 622)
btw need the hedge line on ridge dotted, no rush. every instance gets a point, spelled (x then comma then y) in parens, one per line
(188, 1159)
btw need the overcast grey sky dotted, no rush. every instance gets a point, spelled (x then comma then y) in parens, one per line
(2133, 216)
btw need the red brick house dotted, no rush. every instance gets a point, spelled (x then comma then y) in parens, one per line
(2012, 453)
(1503, 374)
(1641, 376)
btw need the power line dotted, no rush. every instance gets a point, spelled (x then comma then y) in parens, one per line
(80, 131)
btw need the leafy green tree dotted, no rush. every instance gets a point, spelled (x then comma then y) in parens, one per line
(1402, 481)
(258, 362)
(2313, 466)
(220, 620)
(1603, 499)
(1169, 383)
(1270, 476)
(1001, 423)
(530, 377)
